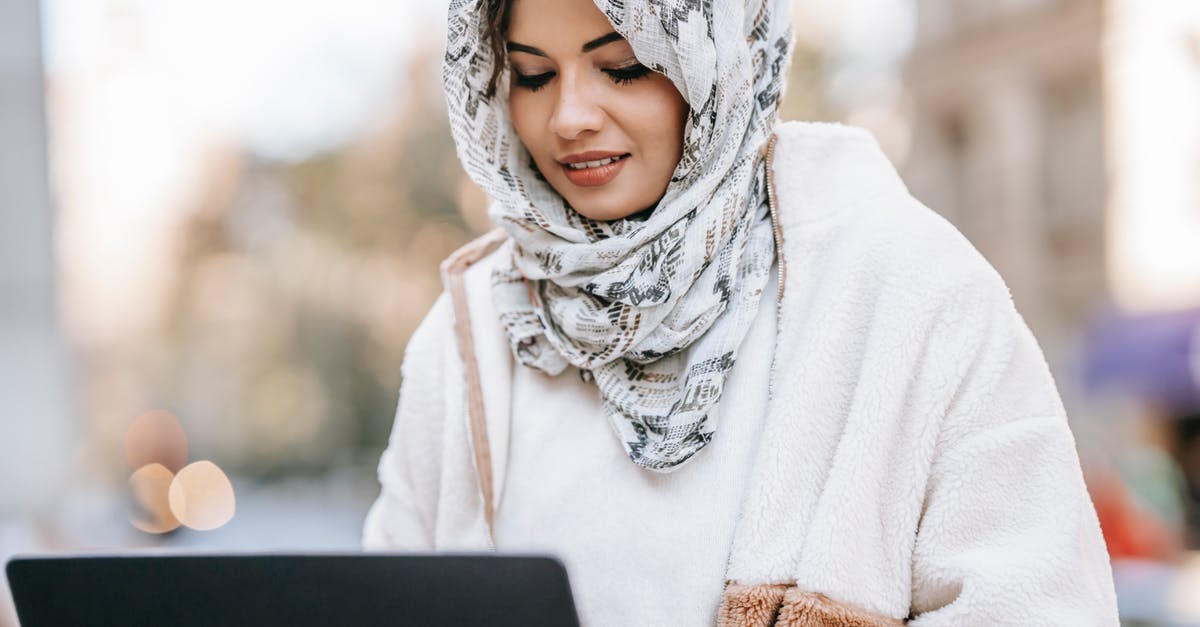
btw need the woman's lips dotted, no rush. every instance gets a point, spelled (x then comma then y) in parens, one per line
(594, 177)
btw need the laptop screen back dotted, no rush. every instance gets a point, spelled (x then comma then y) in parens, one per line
(294, 590)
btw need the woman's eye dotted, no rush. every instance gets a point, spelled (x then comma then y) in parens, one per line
(626, 75)
(535, 82)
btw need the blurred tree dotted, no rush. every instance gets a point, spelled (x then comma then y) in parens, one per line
(299, 284)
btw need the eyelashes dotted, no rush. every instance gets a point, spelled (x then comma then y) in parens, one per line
(626, 75)
(620, 76)
(533, 83)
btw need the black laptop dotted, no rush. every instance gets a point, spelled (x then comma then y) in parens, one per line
(351, 590)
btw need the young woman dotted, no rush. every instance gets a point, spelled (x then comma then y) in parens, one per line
(727, 369)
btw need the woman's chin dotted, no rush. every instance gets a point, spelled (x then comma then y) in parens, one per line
(605, 214)
(609, 209)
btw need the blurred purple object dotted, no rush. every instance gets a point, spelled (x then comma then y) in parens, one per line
(1155, 356)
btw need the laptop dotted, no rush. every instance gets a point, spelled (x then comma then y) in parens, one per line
(351, 590)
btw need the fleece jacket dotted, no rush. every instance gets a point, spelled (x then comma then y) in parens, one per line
(907, 458)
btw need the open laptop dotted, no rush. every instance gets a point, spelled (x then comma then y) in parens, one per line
(351, 590)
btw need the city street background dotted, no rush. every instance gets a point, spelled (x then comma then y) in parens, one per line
(221, 220)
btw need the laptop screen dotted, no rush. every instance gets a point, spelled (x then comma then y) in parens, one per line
(293, 590)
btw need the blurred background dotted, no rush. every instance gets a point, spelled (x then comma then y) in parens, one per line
(220, 221)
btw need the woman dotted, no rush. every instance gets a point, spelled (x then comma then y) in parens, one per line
(825, 408)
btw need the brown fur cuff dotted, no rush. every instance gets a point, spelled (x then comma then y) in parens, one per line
(780, 605)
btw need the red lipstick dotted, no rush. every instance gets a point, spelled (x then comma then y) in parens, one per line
(592, 169)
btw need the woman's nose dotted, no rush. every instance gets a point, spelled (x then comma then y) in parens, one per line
(577, 110)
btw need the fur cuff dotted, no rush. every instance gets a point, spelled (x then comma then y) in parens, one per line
(780, 605)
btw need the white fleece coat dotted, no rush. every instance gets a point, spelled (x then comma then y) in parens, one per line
(914, 460)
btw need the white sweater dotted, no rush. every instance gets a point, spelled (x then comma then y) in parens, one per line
(912, 458)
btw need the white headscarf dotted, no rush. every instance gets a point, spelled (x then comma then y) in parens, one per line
(655, 308)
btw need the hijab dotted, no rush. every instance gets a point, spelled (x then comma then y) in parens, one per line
(653, 306)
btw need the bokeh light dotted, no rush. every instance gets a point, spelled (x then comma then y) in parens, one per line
(201, 496)
(152, 510)
(156, 437)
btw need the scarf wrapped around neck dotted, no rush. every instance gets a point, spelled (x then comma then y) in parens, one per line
(654, 307)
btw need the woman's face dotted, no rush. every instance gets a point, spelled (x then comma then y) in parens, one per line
(604, 130)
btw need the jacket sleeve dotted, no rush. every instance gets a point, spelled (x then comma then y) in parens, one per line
(1008, 534)
(402, 517)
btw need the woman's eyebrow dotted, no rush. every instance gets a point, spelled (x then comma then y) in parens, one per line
(601, 41)
(513, 46)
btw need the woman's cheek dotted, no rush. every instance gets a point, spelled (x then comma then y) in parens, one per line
(520, 110)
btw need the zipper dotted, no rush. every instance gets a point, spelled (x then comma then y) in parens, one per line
(771, 200)
(778, 234)
(782, 273)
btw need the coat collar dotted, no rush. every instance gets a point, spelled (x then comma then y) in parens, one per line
(823, 169)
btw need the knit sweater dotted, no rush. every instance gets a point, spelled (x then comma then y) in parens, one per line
(912, 460)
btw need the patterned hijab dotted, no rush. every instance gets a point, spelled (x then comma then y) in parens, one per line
(654, 307)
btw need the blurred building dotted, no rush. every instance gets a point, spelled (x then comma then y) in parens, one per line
(1008, 145)
(33, 392)
(1063, 138)
(34, 421)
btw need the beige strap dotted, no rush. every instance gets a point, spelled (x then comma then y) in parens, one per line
(453, 269)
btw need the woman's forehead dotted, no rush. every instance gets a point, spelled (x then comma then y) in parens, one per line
(561, 25)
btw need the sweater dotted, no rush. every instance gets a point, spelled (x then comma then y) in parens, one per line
(912, 463)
